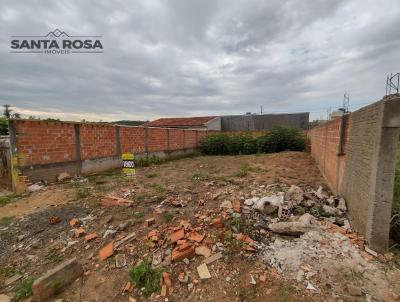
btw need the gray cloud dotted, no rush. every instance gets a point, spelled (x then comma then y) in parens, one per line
(175, 58)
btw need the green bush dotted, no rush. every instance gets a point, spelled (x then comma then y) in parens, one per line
(146, 277)
(277, 140)
(3, 126)
(281, 139)
(225, 144)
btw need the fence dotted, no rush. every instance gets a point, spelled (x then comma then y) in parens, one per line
(44, 149)
(357, 155)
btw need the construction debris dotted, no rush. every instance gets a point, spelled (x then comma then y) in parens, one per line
(203, 271)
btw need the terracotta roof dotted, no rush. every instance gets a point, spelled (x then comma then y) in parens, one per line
(181, 121)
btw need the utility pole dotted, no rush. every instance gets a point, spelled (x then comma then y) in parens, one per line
(346, 102)
(7, 111)
(261, 109)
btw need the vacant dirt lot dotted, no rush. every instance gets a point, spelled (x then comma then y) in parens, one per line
(205, 197)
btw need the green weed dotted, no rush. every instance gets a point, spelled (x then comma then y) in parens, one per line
(168, 216)
(23, 289)
(146, 277)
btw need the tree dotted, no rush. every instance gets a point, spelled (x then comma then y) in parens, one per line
(3, 126)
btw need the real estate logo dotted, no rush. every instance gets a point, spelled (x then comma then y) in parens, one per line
(56, 42)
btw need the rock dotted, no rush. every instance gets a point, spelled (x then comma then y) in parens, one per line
(342, 205)
(203, 271)
(310, 286)
(63, 176)
(331, 211)
(35, 188)
(252, 280)
(294, 228)
(269, 204)
(157, 259)
(108, 233)
(183, 277)
(249, 202)
(320, 193)
(294, 194)
(354, 290)
(56, 279)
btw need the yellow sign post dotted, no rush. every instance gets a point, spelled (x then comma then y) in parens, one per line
(128, 162)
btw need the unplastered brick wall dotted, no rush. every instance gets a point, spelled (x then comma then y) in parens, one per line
(41, 142)
(44, 149)
(357, 155)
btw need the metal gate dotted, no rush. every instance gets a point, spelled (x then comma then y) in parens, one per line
(5, 164)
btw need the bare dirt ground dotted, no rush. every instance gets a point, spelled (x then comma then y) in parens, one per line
(188, 194)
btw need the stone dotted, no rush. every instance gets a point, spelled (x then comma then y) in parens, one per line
(342, 205)
(203, 251)
(63, 176)
(249, 202)
(203, 272)
(354, 290)
(108, 233)
(252, 280)
(294, 228)
(183, 277)
(53, 281)
(268, 204)
(106, 251)
(157, 259)
(213, 258)
(331, 211)
(35, 188)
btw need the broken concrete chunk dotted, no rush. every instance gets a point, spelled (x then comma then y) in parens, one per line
(331, 211)
(56, 279)
(249, 202)
(203, 271)
(63, 176)
(213, 258)
(342, 205)
(294, 228)
(269, 204)
(120, 260)
(294, 194)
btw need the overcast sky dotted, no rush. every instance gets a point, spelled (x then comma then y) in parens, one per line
(187, 58)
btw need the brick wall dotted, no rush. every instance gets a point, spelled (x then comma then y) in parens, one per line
(357, 155)
(42, 142)
(97, 141)
(62, 146)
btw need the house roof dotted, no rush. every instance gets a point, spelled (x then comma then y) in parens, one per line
(181, 121)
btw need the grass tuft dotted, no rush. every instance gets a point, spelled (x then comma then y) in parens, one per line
(23, 289)
(146, 277)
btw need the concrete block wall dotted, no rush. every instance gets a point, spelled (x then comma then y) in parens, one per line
(357, 155)
(45, 149)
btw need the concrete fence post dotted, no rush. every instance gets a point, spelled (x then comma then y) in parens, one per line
(117, 141)
(168, 142)
(146, 141)
(383, 174)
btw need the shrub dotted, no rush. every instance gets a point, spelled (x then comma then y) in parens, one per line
(225, 144)
(277, 140)
(281, 139)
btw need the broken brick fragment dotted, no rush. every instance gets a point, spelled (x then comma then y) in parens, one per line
(153, 235)
(167, 280)
(177, 235)
(194, 236)
(106, 251)
(150, 221)
(54, 219)
(217, 222)
(73, 222)
(180, 253)
(236, 206)
(79, 232)
(244, 238)
(112, 200)
(91, 236)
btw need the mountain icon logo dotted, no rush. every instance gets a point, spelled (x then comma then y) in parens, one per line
(57, 34)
